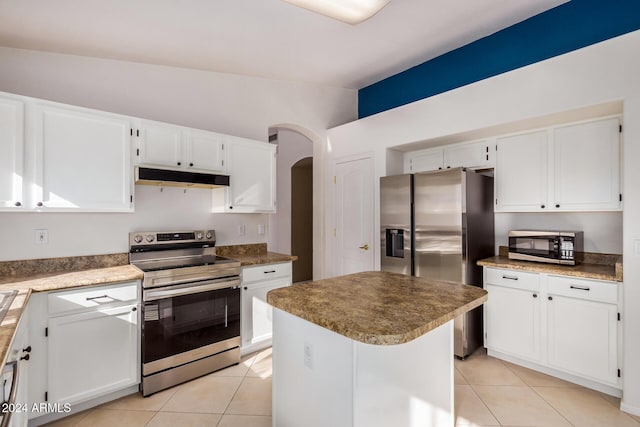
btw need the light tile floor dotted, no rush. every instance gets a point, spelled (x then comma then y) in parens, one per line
(488, 392)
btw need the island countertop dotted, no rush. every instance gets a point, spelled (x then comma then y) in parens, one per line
(378, 307)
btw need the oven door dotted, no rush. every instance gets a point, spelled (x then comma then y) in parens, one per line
(186, 322)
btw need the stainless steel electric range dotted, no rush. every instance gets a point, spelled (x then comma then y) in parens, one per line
(191, 306)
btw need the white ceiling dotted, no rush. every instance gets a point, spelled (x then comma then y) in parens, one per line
(266, 38)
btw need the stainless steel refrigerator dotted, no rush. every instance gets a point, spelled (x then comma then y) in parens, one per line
(436, 225)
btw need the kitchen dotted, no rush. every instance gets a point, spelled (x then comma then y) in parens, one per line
(323, 109)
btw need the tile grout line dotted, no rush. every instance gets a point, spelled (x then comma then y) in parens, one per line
(485, 405)
(538, 394)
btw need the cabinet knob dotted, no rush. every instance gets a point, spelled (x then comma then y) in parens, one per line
(245, 288)
(39, 203)
(439, 168)
(27, 350)
(191, 164)
(448, 167)
(542, 206)
(134, 308)
(535, 295)
(18, 204)
(230, 207)
(557, 206)
(25, 357)
(550, 298)
(179, 163)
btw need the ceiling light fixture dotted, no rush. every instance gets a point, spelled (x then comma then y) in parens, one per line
(350, 11)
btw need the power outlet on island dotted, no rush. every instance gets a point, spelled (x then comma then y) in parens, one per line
(241, 230)
(308, 355)
(42, 237)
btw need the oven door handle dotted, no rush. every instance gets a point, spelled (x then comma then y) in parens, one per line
(176, 291)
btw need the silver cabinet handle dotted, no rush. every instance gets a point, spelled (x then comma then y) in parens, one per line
(101, 296)
(509, 277)
(580, 288)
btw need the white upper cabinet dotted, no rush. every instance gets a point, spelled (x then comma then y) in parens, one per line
(424, 160)
(179, 148)
(521, 176)
(587, 166)
(159, 144)
(11, 152)
(566, 168)
(82, 159)
(205, 151)
(473, 155)
(252, 178)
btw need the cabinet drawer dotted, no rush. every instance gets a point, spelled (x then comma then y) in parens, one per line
(92, 296)
(591, 290)
(512, 279)
(266, 272)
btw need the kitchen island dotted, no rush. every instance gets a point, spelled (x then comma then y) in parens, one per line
(367, 349)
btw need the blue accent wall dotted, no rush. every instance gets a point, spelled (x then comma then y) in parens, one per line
(568, 27)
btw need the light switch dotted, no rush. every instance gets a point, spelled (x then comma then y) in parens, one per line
(241, 230)
(260, 229)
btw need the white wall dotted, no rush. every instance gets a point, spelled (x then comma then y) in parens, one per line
(225, 103)
(292, 147)
(597, 74)
(602, 230)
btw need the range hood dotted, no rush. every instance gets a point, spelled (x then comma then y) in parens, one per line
(174, 178)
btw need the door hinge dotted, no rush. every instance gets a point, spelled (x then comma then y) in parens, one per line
(334, 232)
(131, 131)
(496, 201)
(620, 196)
(46, 396)
(334, 179)
(619, 374)
(137, 132)
(137, 152)
(131, 198)
(222, 147)
(620, 129)
(223, 163)
(618, 317)
(46, 332)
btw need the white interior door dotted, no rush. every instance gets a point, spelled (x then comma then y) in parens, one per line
(354, 213)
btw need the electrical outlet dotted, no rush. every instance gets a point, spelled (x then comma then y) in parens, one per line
(308, 355)
(260, 229)
(241, 230)
(42, 237)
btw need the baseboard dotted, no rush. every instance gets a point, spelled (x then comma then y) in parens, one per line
(630, 409)
(594, 385)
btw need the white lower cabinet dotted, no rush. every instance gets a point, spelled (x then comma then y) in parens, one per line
(86, 344)
(256, 314)
(93, 353)
(568, 327)
(520, 335)
(15, 378)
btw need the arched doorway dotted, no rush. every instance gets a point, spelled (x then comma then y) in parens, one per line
(293, 146)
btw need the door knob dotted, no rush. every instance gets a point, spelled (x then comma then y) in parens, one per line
(365, 247)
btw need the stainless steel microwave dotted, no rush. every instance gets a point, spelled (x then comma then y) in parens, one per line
(555, 247)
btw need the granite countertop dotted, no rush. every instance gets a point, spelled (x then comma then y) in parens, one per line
(15, 277)
(253, 254)
(378, 307)
(593, 266)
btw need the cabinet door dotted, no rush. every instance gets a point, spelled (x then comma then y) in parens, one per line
(252, 173)
(513, 321)
(205, 151)
(83, 160)
(473, 155)
(587, 166)
(256, 314)
(11, 152)
(521, 174)
(425, 160)
(160, 145)
(582, 337)
(93, 353)
(17, 353)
